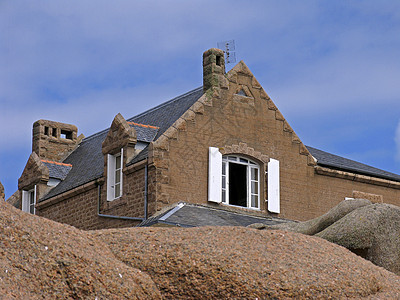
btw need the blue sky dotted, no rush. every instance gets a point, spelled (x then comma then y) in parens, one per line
(331, 67)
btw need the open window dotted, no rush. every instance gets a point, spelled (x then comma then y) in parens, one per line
(29, 201)
(240, 182)
(114, 175)
(233, 180)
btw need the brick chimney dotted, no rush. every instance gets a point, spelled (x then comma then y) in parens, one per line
(53, 140)
(213, 68)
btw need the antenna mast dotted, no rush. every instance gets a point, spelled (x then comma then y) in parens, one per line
(229, 49)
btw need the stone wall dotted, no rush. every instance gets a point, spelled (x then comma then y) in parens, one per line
(79, 207)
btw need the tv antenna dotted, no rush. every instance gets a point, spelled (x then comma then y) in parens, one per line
(229, 49)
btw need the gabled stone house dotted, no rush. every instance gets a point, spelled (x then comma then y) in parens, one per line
(224, 145)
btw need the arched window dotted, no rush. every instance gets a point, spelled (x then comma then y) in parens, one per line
(240, 182)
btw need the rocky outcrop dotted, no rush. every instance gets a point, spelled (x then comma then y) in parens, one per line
(243, 263)
(371, 231)
(318, 224)
(42, 259)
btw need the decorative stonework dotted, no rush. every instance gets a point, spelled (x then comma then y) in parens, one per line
(54, 140)
(35, 172)
(244, 149)
(371, 197)
(121, 134)
(242, 69)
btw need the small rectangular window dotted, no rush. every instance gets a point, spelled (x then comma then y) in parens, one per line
(114, 176)
(29, 201)
(65, 134)
(46, 130)
(218, 60)
(54, 133)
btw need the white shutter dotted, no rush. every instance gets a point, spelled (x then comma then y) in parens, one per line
(25, 201)
(34, 200)
(214, 175)
(110, 176)
(122, 167)
(273, 186)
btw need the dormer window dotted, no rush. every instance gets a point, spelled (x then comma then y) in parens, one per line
(114, 175)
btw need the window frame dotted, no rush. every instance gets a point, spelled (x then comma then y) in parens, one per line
(29, 201)
(250, 166)
(112, 175)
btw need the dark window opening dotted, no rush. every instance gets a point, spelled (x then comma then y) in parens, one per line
(54, 132)
(237, 184)
(65, 134)
(241, 93)
(218, 61)
(46, 130)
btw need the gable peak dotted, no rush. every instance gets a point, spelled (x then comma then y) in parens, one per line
(119, 135)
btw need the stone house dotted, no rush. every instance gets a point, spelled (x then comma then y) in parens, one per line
(224, 146)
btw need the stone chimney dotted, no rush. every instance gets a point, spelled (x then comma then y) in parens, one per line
(53, 140)
(213, 68)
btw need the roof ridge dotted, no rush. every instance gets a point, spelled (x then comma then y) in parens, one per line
(164, 104)
(56, 163)
(143, 125)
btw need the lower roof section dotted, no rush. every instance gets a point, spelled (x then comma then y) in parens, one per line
(194, 215)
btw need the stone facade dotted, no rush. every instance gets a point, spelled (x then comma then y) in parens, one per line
(234, 114)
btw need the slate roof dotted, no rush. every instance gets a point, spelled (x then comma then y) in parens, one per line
(145, 133)
(164, 115)
(57, 170)
(326, 159)
(88, 161)
(193, 215)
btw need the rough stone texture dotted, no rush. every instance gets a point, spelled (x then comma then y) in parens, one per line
(119, 136)
(15, 200)
(42, 259)
(371, 197)
(35, 172)
(48, 141)
(318, 224)
(371, 231)
(242, 263)
(2, 195)
(80, 209)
